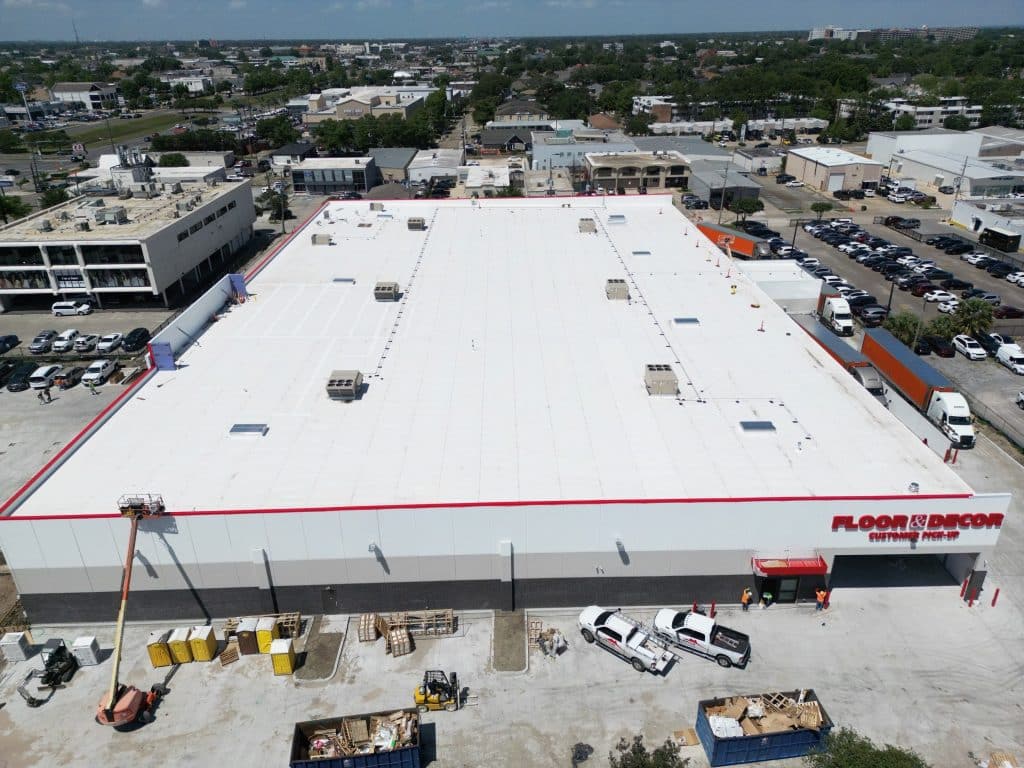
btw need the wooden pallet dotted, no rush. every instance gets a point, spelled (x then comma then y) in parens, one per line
(425, 623)
(368, 631)
(288, 624)
(230, 653)
(999, 759)
(533, 629)
(777, 701)
(399, 642)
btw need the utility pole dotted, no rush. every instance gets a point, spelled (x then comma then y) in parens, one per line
(960, 183)
(725, 185)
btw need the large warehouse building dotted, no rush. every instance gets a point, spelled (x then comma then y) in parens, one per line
(571, 401)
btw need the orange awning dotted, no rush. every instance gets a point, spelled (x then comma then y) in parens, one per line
(790, 566)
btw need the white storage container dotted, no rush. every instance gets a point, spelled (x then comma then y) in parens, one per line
(15, 646)
(86, 650)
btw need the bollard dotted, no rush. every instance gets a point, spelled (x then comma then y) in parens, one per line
(974, 596)
(963, 589)
(712, 609)
(994, 598)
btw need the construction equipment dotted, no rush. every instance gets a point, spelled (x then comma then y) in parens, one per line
(437, 692)
(59, 666)
(125, 704)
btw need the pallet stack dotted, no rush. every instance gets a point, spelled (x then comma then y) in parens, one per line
(398, 629)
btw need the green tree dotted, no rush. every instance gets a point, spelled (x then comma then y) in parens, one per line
(173, 160)
(12, 207)
(956, 123)
(848, 749)
(821, 207)
(944, 326)
(277, 130)
(745, 206)
(180, 91)
(739, 119)
(634, 754)
(905, 123)
(638, 125)
(51, 197)
(973, 317)
(905, 326)
(10, 142)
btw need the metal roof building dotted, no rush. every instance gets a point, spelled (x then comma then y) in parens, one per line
(526, 435)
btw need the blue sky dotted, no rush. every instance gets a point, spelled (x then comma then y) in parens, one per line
(361, 19)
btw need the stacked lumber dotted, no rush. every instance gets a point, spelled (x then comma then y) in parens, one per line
(765, 713)
(364, 735)
(368, 632)
(288, 624)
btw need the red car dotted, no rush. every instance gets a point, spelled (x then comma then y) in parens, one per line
(922, 288)
(1006, 312)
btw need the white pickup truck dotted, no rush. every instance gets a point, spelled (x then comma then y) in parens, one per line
(699, 634)
(625, 637)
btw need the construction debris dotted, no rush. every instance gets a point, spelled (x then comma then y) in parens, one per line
(288, 624)
(357, 735)
(551, 643)
(764, 713)
(397, 629)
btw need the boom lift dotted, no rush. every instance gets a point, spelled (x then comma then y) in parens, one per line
(125, 704)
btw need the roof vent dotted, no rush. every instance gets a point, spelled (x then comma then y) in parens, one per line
(641, 253)
(45, 225)
(345, 385)
(660, 379)
(81, 226)
(616, 289)
(617, 218)
(349, 280)
(757, 426)
(686, 320)
(588, 226)
(386, 292)
(321, 239)
(248, 430)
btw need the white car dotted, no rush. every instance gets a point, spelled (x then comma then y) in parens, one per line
(831, 279)
(894, 198)
(974, 258)
(808, 262)
(794, 183)
(86, 342)
(968, 347)
(856, 294)
(99, 371)
(949, 307)
(939, 296)
(109, 342)
(1015, 277)
(922, 266)
(66, 341)
(869, 193)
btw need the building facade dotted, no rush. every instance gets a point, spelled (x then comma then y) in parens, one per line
(934, 115)
(827, 169)
(91, 97)
(334, 175)
(636, 170)
(567, 148)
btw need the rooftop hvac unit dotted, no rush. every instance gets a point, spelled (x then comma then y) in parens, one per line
(183, 206)
(344, 385)
(376, 206)
(321, 239)
(124, 194)
(114, 215)
(82, 226)
(386, 292)
(616, 289)
(660, 379)
(588, 226)
(45, 225)
(176, 186)
(417, 222)
(63, 216)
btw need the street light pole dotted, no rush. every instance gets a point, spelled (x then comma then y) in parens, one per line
(920, 323)
(725, 185)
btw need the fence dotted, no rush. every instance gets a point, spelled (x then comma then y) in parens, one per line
(1012, 432)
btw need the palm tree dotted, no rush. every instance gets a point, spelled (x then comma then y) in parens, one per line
(821, 207)
(974, 317)
(904, 326)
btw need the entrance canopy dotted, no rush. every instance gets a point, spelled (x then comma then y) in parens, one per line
(789, 566)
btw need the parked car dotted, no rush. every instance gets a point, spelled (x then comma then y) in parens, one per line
(863, 300)
(135, 340)
(978, 293)
(949, 307)
(794, 183)
(69, 377)
(624, 637)
(62, 308)
(1015, 278)
(1000, 269)
(946, 190)
(921, 289)
(43, 376)
(9, 342)
(1007, 312)
(42, 342)
(939, 296)
(784, 178)
(968, 347)
(955, 284)
(940, 346)
(109, 342)
(65, 341)
(697, 633)
(98, 372)
(7, 367)
(871, 314)
(18, 381)
(86, 342)
(957, 248)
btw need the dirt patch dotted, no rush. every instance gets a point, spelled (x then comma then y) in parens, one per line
(8, 593)
(318, 660)
(509, 641)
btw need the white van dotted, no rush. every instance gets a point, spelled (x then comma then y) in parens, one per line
(61, 308)
(43, 376)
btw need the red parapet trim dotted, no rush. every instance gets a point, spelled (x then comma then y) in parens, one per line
(73, 442)
(277, 248)
(540, 503)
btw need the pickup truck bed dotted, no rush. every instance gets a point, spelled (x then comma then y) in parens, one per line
(730, 639)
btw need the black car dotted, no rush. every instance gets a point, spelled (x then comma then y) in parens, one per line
(782, 178)
(938, 274)
(135, 340)
(940, 346)
(947, 190)
(943, 241)
(18, 381)
(922, 347)
(955, 284)
(6, 369)
(893, 221)
(958, 248)
(7, 343)
(1000, 269)
(861, 301)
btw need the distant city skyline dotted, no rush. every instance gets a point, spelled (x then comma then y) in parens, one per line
(143, 20)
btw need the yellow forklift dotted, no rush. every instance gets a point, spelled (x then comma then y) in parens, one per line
(437, 692)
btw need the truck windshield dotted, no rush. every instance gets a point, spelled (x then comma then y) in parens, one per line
(876, 391)
(960, 421)
(1017, 360)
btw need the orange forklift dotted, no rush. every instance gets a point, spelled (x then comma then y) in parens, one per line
(124, 705)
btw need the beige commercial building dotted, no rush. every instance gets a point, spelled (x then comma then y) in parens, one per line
(828, 169)
(633, 170)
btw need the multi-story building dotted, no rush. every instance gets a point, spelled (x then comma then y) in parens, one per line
(431, 164)
(636, 170)
(354, 103)
(933, 116)
(942, 34)
(566, 148)
(332, 175)
(89, 96)
(519, 110)
(138, 238)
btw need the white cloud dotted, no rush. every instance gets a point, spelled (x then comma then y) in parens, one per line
(152, 3)
(38, 5)
(237, 4)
